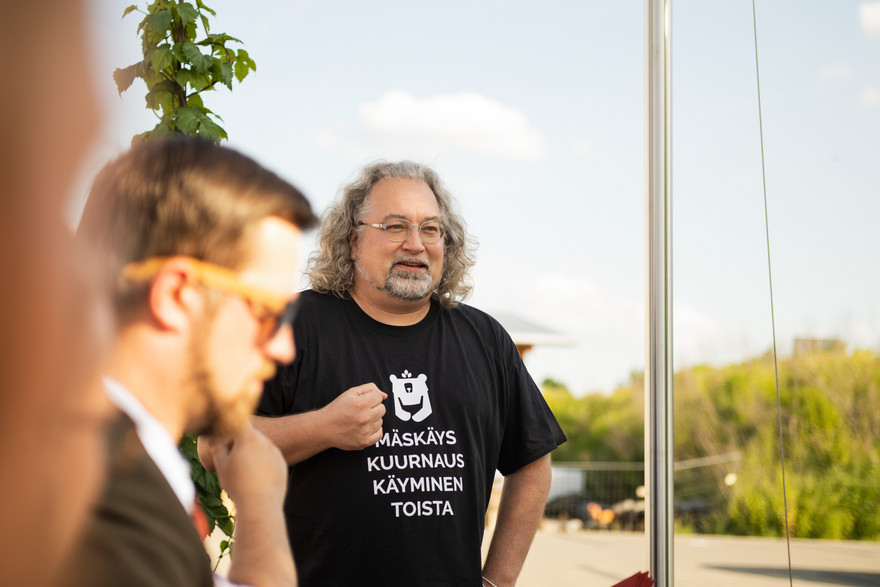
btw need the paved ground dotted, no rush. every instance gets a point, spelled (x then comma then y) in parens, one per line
(600, 559)
(578, 558)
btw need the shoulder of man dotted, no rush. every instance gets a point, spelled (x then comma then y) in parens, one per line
(310, 296)
(471, 313)
(481, 320)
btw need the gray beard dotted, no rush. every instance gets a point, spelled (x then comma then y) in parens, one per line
(410, 287)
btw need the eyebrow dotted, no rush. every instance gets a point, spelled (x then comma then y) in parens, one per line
(392, 216)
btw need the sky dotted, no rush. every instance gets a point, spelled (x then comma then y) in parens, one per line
(534, 116)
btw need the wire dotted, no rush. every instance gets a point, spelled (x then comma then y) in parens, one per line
(772, 311)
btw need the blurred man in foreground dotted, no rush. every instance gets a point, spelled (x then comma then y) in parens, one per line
(198, 248)
(52, 408)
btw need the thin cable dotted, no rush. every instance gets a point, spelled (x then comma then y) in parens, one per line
(772, 311)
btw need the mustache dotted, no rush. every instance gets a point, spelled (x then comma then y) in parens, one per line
(413, 261)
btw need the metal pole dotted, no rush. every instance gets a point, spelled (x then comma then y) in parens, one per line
(658, 229)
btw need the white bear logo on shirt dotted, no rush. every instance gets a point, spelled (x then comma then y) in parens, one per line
(411, 397)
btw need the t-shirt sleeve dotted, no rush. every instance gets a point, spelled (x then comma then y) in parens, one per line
(530, 428)
(279, 392)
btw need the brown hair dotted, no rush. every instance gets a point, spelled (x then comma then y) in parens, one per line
(181, 196)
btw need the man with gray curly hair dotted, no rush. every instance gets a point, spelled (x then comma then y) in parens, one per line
(403, 402)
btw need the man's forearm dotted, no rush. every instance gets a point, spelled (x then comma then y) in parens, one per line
(519, 513)
(298, 436)
(252, 471)
(261, 554)
(352, 421)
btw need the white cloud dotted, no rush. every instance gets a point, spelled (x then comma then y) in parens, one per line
(336, 139)
(869, 17)
(869, 97)
(465, 122)
(834, 71)
(582, 148)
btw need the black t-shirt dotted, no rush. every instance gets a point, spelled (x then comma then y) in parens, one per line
(410, 509)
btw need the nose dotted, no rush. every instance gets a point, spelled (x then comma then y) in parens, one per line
(414, 240)
(281, 347)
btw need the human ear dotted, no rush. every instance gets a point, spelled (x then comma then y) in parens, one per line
(352, 244)
(173, 299)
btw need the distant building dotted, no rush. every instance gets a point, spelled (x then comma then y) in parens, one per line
(527, 334)
(804, 346)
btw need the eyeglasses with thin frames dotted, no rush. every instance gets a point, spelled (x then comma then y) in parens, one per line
(399, 229)
(271, 310)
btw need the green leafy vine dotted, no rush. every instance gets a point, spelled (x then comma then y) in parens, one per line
(178, 67)
(209, 494)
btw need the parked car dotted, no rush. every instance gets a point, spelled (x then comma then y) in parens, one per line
(579, 506)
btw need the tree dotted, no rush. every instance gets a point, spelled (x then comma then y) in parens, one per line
(830, 433)
(177, 71)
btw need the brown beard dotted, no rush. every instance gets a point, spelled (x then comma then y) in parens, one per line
(224, 416)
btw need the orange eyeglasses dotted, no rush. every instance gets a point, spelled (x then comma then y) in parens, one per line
(271, 310)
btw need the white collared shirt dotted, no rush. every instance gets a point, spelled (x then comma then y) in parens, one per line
(157, 442)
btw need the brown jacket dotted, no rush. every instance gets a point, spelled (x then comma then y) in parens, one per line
(139, 535)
